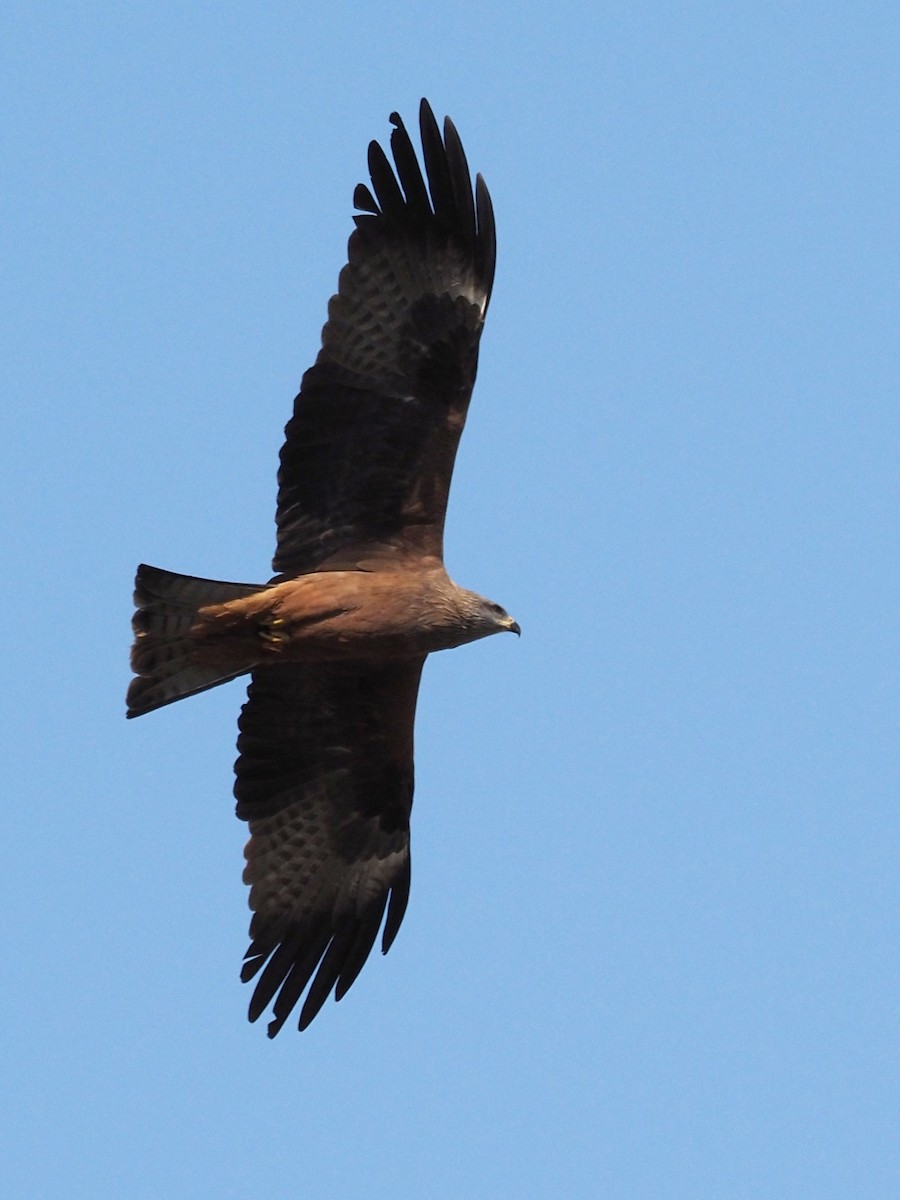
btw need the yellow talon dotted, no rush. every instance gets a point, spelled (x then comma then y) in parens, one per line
(273, 633)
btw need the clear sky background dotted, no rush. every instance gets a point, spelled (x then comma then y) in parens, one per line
(653, 943)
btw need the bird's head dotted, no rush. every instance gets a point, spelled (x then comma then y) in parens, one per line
(500, 619)
(485, 617)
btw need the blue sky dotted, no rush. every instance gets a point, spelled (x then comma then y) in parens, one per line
(652, 946)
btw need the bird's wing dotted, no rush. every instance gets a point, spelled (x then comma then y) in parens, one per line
(325, 780)
(368, 454)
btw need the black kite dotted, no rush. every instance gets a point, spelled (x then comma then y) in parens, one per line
(335, 643)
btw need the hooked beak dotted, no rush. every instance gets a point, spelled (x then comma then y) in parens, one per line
(511, 626)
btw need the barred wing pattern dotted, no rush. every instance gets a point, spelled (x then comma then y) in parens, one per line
(325, 779)
(366, 464)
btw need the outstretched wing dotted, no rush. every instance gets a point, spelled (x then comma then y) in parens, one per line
(325, 779)
(366, 464)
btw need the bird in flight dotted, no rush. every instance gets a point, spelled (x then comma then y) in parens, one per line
(335, 643)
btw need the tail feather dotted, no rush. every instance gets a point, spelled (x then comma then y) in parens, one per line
(166, 608)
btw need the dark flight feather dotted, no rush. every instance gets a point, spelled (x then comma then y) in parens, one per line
(366, 465)
(325, 780)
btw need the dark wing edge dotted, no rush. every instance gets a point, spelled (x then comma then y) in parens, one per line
(369, 452)
(325, 780)
(446, 204)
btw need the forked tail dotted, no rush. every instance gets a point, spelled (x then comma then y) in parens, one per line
(167, 605)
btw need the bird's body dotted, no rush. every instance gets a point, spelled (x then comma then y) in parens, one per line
(332, 616)
(335, 643)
